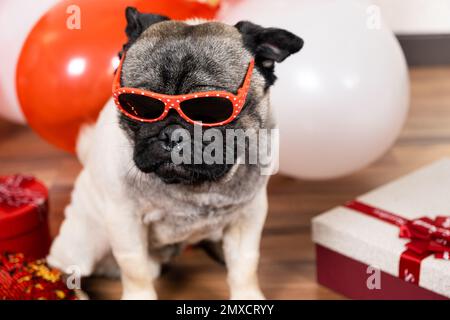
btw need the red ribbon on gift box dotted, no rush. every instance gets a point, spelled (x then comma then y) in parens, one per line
(14, 194)
(428, 236)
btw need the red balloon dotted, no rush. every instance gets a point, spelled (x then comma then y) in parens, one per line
(64, 74)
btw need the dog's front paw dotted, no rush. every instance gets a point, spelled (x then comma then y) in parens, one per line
(253, 294)
(139, 295)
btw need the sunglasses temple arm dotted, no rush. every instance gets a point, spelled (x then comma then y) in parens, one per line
(248, 77)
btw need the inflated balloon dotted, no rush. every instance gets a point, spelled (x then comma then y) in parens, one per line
(65, 70)
(343, 99)
(16, 20)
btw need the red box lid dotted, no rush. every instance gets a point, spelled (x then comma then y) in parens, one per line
(23, 205)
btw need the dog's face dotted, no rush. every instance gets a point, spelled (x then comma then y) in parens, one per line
(173, 58)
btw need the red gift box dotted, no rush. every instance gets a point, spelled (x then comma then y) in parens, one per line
(349, 277)
(390, 243)
(24, 216)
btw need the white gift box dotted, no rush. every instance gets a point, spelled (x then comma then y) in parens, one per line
(374, 242)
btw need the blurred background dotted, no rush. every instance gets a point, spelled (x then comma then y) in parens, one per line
(365, 101)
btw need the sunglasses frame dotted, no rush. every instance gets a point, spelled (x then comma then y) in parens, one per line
(173, 101)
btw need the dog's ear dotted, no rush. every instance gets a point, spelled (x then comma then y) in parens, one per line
(138, 22)
(268, 45)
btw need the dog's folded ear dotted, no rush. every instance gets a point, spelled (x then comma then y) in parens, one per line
(268, 45)
(138, 22)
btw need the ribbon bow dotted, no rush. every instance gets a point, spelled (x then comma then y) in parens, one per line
(428, 236)
(14, 194)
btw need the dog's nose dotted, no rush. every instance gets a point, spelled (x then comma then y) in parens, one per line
(169, 137)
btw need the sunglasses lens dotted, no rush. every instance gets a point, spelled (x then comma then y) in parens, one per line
(141, 106)
(208, 109)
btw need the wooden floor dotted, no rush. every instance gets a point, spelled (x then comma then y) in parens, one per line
(287, 269)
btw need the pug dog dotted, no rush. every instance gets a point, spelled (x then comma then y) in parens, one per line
(132, 208)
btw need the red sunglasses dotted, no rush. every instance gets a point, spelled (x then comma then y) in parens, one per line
(210, 108)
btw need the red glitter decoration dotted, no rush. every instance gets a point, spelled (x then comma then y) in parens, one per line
(21, 279)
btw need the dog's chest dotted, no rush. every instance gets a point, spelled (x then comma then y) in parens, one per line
(186, 224)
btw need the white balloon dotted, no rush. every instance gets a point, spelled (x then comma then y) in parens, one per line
(17, 18)
(343, 99)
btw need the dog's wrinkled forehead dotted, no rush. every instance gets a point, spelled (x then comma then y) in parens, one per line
(173, 57)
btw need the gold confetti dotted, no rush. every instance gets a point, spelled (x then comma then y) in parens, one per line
(60, 294)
